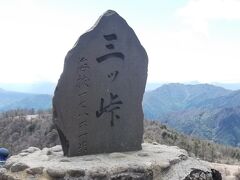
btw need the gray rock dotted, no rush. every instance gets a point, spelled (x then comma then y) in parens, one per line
(35, 170)
(134, 174)
(183, 157)
(16, 167)
(10, 177)
(3, 173)
(30, 150)
(23, 154)
(175, 161)
(57, 148)
(49, 152)
(56, 172)
(90, 159)
(3, 170)
(64, 160)
(124, 165)
(98, 100)
(143, 154)
(198, 174)
(98, 175)
(76, 173)
(8, 164)
(117, 155)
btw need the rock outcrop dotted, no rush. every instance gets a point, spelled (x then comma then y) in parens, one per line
(97, 103)
(154, 161)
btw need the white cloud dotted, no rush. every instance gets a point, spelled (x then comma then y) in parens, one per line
(35, 40)
(198, 13)
(212, 9)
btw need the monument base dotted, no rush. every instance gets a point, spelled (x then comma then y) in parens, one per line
(147, 164)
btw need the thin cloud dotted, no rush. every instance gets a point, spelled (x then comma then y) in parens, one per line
(199, 13)
(211, 9)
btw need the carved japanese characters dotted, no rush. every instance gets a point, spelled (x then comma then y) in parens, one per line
(97, 104)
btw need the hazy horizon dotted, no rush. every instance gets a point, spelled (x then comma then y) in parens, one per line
(186, 40)
(47, 87)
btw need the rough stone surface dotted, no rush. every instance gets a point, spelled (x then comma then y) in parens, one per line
(34, 171)
(19, 166)
(151, 165)
(56, 172)
(198, 174)
(98, 100)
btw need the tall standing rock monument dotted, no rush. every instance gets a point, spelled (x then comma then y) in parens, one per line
(97, 105)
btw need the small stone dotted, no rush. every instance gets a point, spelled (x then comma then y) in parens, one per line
(200, 174)
(57, 148)
(133, 176)
(90, 159)
(155, 143)
(34, 171)
(64, 160)
(3, 171)
(8, 164)
(158, 151)
(117, 155)
(165, 165)
(11, 177)
(174, 161)
(23, 154)
(56, 173)
(183, 157)
(3, 177)
(32, 177)
(143, 154)
(16, 167)
(49, 152)
(76, 173)
(98, 175)
(30, 150)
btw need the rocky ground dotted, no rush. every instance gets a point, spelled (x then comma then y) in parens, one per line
(154, 161)
(229, 172)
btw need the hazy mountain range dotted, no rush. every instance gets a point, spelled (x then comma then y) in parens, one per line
(34, 88)
(48, 87)
(202, 110)
(15, 100)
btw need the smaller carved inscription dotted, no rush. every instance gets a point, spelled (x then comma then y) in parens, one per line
(82, 83)
(113, 75)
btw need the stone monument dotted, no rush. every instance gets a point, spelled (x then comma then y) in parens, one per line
(97, 105)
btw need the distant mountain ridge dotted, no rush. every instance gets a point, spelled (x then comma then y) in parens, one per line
(16, 100)
(175, 97)
(34, 88)
(201, 110)
(49, 87)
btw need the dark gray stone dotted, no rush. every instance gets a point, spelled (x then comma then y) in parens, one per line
(16, 167)
(56, 173)
(198, 174)
(35, 170)
(97, 104)
(76, 173)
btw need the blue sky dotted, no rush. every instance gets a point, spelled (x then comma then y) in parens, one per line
(186, 40)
